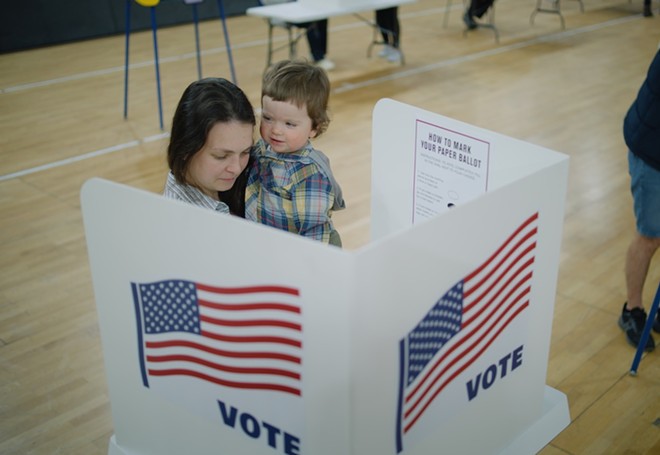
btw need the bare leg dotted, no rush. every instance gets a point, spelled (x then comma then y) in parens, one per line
(638, 259)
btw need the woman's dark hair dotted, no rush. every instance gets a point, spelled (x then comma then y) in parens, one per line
(235, 196)
(203, 104)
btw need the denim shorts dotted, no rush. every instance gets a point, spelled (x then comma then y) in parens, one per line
(645, 187)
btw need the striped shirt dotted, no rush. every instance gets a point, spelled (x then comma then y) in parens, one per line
(295, 192)
(192, 195)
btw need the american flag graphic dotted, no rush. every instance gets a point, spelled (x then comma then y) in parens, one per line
(463, 323)
(239, 337)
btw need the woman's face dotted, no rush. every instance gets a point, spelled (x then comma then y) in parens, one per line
(223, 157)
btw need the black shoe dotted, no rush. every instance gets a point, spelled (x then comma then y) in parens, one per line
(656, 324)
(469, 21)
(632, 322)
(647, 11)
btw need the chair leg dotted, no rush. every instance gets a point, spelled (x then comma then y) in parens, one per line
(269, 57)
(292, 44)
(491, 20)
(445, 20)
(375, 40)
(556, 9)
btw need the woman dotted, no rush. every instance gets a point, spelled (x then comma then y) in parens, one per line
(212, 135)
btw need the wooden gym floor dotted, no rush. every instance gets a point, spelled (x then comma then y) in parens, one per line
(61, 123)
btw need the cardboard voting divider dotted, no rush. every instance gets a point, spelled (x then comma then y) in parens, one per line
(225, 336)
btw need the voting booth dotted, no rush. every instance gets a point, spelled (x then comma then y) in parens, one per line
(222, 336)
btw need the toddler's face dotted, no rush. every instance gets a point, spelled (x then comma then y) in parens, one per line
(285, 126)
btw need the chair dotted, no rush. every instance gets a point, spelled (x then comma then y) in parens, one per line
(490, 24)
(448, 7)
(294, 32)
(553, 8)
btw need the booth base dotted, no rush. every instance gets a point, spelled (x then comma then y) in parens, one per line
(114, 449)
(554, 419)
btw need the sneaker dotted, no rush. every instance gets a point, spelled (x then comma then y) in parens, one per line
(632, 322)
(395, 56)
(647, 11)
(470, 23)
(385, 51)
(326, 64)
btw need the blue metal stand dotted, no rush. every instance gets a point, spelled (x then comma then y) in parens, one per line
(128, 35)
(154, 28)
(223, 17)
(156, 65)
(646, 333)
(199, 58)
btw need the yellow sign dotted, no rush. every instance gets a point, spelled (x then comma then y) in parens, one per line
(148, 2)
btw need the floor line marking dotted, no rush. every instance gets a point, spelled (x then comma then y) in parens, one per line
(73, 159)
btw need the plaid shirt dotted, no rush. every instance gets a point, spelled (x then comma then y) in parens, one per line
(191, 195)
(295, 192)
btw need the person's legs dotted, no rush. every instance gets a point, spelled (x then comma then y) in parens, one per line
(633, 316)
(317, 37)
(478, 8)
(382, 21)
(645, 188)
(468, 17)
(388, 21)
(638, 260)
(647, 8)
